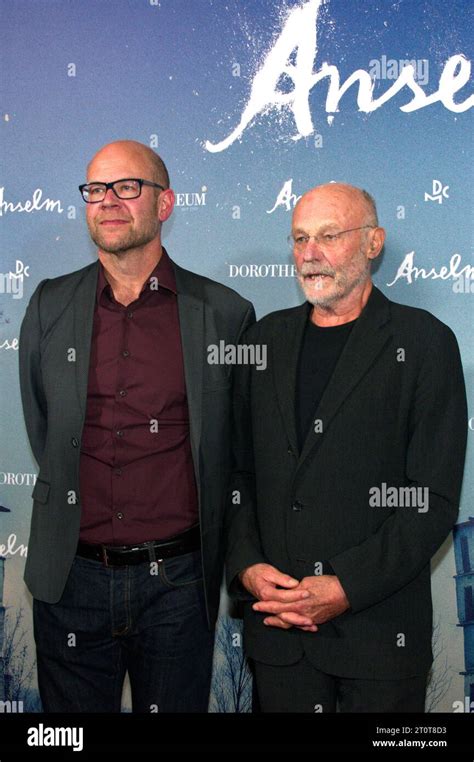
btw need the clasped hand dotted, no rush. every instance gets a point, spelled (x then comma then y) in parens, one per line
(292, 603)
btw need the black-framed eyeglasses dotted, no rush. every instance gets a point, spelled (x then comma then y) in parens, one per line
(325, 240)
(127, 188)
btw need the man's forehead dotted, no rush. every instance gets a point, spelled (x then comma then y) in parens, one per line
(327, 202)
(333, 193)
(113, 162)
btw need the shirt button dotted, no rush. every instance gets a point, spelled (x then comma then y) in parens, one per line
(123, 393)
(125, 353)
(118, 471)
(129, 314)
(119, 515)
(119, 433)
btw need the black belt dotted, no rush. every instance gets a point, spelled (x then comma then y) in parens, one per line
(124, 555)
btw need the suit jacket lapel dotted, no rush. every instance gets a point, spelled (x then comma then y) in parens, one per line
(84, 302)
(191, 320)
(366, 341)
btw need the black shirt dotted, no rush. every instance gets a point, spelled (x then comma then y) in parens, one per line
(319, 353)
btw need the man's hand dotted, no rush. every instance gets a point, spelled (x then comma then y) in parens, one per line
(325, 601)
(265, 582)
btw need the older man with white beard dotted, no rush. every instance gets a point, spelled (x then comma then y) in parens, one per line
(358, 393)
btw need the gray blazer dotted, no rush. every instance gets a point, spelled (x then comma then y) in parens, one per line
(53, 384)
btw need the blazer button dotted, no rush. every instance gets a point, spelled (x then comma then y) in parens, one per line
(297, 505)
(290, 451)
(75, 442)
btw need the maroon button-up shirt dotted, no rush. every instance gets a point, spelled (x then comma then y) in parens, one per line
(136, 470)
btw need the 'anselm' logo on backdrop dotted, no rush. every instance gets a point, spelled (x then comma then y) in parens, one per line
(453, 271)
(10, 548)
(285, 198)
(292, 59)
(34, 204)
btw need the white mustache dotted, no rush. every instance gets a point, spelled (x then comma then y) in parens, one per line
(305, 271)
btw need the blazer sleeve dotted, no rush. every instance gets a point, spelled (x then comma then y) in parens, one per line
(243, 541)
(404, 544)
(31, 384)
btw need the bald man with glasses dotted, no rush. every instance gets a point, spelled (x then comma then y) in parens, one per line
(130, 427)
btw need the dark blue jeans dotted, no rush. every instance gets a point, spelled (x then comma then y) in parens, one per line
(149, 621)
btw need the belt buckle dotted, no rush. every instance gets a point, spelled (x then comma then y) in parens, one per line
(104, 554)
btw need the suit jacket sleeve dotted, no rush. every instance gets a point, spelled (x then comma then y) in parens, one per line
(31, 385)
(243, 541)
(405, 542)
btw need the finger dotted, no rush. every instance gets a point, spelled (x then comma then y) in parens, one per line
(273, 606)
(274, 621)
(285, 596)
(296, 619)
(312, 628)
(278, 578)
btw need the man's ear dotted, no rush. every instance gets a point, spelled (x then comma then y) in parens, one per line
(376, 242)
(165, 204)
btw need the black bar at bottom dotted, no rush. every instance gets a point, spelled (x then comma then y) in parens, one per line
(85, 736)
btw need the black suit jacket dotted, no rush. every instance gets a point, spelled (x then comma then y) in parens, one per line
(394, 412)
(54, 395)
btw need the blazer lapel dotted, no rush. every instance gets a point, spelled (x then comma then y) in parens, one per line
(285, 351)
(191, 321)
(84, 302)
(366, 341)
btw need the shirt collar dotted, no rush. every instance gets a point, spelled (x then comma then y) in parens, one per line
(163, 272)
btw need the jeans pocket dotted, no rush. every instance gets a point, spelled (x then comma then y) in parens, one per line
(181, 571)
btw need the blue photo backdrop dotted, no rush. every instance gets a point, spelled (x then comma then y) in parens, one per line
(250, 103)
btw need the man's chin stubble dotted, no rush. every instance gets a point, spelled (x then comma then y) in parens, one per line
(317, 300)
(120, 247)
